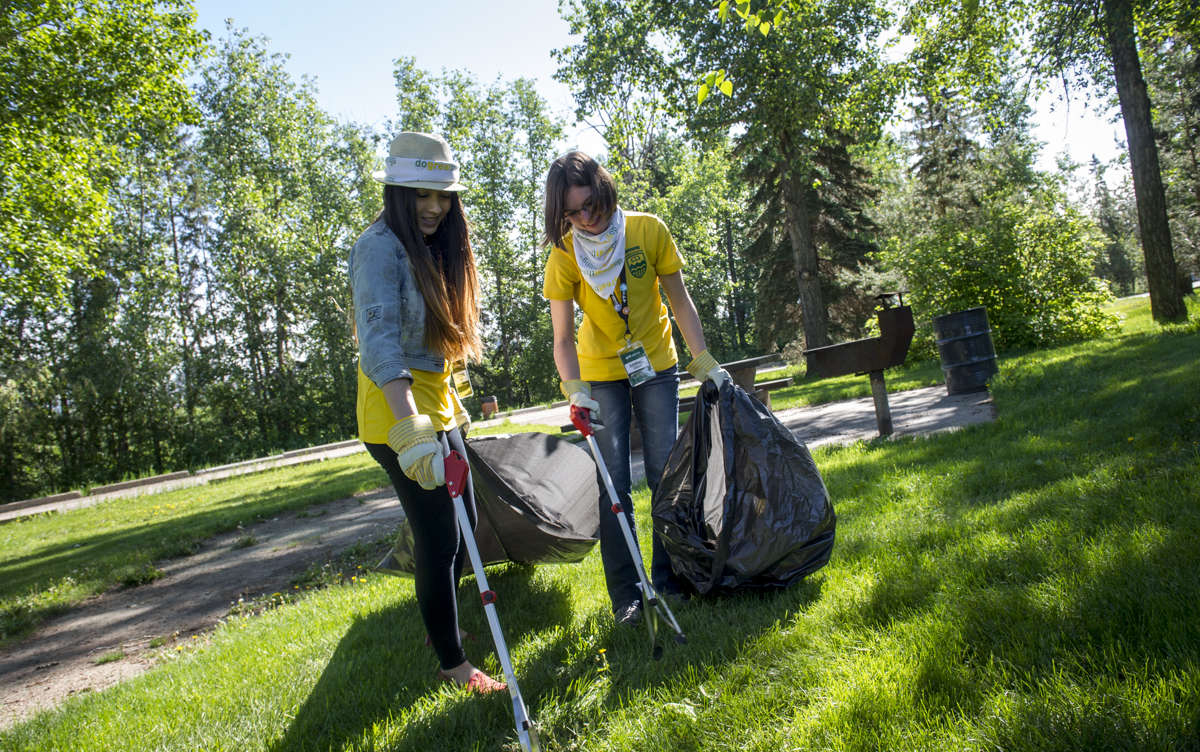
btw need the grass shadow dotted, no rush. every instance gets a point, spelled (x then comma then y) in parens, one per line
(374, 680)
(590, 672)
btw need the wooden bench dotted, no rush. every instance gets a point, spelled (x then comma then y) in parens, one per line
(871, 355)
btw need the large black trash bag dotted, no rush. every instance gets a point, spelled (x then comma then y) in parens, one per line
(537, 498)
(741, 504)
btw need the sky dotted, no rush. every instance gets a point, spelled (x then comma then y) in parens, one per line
(348, 47)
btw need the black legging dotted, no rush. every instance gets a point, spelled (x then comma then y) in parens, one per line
(438, 549)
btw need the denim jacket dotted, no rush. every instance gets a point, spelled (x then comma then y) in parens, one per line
(389, 310)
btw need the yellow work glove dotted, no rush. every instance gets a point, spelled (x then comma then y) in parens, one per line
(705, 366)
(417, 448)
(579, 393)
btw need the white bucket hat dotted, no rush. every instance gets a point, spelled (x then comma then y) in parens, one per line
(420, 160)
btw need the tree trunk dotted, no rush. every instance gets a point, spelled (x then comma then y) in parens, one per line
(815, 319)
(1162, 275)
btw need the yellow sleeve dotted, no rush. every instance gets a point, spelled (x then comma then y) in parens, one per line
(667, 260)
(561, 276)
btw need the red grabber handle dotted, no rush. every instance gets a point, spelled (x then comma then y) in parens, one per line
(456, 473)
(581, 417)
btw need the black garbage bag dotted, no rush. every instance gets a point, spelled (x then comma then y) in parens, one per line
(741, 504)
(537, 498)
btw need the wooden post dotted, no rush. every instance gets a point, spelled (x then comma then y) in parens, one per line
(883, 413)
(744, 377)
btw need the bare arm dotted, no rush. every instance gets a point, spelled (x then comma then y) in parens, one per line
(398, 393)
(562, 316)
(684, 309)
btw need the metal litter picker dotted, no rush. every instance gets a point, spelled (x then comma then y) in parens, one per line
(457, 477)
(652, 606)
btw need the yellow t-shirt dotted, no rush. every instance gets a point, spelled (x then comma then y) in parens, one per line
(432, 391)
(650, 252)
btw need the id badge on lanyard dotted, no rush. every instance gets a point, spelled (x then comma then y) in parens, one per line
(462, 379)
(636, 362)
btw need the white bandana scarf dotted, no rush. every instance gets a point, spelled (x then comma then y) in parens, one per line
(601, 257)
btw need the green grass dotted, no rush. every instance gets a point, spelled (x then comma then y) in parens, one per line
(1134, 313)
(507, 426)
(1025, 584)
(52, 561)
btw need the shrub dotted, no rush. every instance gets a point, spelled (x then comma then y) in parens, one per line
(1029, 262)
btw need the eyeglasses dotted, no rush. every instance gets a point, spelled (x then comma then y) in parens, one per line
(588, 207)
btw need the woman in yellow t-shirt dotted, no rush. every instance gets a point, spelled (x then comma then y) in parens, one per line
(412, 274)
(611, 263)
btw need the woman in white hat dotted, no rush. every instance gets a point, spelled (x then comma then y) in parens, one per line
(613, 263)
(412, 273)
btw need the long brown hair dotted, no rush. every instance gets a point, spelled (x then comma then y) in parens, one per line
(575, 168)
(445, 272)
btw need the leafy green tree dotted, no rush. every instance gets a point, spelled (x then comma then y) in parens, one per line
(111, 354)
(815, 82)
(1173, 78)
(416, 98)
(1106, 32)
(628, 103)
(700, 208)
(75, 80)
(503, 136)
(538, 132)
(206, 323)
(1115, 214)
(1022, 251)
(286, 194)
(485, 142)
(342, 199)
(1029, 266)
(1092, 42)
(85, 85)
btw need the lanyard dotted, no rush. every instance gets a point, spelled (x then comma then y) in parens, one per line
(622, 306)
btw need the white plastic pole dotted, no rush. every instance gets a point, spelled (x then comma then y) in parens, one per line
(652, 604)
(525, 731)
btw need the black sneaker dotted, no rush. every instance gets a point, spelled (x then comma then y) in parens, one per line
(629, 615)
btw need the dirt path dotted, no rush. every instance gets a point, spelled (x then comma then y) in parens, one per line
(193, 594)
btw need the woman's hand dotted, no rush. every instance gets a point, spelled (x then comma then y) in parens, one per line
(705, 367)
(579, 393)
(417, 448)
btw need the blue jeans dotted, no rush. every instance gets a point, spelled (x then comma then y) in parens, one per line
(656, 405)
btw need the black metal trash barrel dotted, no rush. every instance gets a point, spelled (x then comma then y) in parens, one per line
(964, 342)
